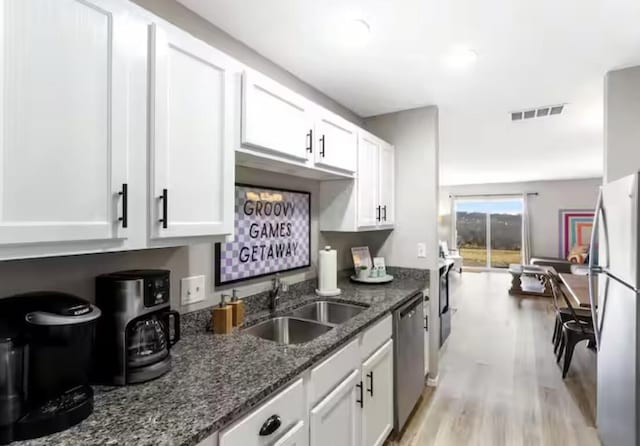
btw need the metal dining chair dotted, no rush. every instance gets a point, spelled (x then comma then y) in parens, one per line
(572, 326)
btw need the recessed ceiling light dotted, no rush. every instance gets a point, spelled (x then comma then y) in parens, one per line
(460, 58)
(356, 33)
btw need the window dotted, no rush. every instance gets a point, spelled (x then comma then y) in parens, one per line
(489, 231)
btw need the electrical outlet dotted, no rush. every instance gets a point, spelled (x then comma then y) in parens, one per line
(422, 250)
(192, 290)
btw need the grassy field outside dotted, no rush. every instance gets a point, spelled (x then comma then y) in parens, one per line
(500, 258)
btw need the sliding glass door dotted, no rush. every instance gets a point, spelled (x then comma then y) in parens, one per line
(489, 231)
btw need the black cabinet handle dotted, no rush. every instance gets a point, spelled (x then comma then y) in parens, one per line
(165, 205)
(384, 208)
(361, 400)
(124, 193)
(270, 426)
(370, 376)
(310, 136)
(426, 323)
(378, 213)
(322, 146)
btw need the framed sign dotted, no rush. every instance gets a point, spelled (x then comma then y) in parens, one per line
(272, 233)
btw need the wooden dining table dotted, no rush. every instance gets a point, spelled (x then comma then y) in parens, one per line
(578, 287)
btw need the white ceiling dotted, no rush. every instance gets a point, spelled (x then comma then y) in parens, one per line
(530, 53)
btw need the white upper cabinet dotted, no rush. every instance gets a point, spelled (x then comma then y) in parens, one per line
(336, 142)
(275, 119)
(64, 124)
(192, 145)
(387, 184)
(377, 377)
(369, 204)
(367, 182)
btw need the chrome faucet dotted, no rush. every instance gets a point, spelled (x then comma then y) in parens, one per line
(274, 293)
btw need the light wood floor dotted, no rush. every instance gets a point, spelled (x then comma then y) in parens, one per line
(499, 382)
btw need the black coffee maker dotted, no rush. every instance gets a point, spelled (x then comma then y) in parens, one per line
(138, 327)
(46, 351)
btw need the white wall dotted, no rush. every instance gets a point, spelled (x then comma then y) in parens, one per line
(414, 133)
(544, 217)
(622, 123)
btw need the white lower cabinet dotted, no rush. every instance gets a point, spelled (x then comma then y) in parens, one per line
(280, 421)
(336, 419)
(296, 436)
(346, 400)
(377, 378)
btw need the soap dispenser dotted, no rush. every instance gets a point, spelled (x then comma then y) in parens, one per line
(222, 317)
(237, 308)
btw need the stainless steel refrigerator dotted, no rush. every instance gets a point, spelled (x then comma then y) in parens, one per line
(615, 282)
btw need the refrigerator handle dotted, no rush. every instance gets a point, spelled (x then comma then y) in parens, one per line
(594, 269)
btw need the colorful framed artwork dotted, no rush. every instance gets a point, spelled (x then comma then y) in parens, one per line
(575, 229)
(272, 234)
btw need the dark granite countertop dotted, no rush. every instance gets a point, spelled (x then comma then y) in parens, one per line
(215, 379)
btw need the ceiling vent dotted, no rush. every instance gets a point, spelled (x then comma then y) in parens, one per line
(540, 112)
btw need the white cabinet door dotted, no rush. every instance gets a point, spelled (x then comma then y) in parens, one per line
(192, 151)
(275, 119)
(296, 436)
(377, 376)
(387, 183)
(336, 142)
(336, 419)
(367, 181)
(63, 120)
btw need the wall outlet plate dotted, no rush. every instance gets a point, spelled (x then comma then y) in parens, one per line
(422, 250)
(192, 290)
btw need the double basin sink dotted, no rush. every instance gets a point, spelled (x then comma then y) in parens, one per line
(305, 323)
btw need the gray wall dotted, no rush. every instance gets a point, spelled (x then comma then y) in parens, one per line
(543, 208)
(184, 18)
(621, 123)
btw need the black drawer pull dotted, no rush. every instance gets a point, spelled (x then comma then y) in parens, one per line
(165, 206)
(370, 376)
(384, 208)
(270, 426)
(124, 193)
(361, 400)
(378, 212)
(322, 146)
(310, 136)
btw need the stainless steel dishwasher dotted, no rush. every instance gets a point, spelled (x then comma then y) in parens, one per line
(408, 353)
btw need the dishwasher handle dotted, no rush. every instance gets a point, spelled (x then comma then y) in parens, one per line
(408, 310)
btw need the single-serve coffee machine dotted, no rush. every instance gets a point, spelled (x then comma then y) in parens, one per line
(137, 329)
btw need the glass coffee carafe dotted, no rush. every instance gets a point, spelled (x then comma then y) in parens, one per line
(147, 341)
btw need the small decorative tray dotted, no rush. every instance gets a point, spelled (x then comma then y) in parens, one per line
(383, 279)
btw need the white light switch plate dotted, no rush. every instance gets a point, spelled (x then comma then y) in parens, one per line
(422, 250)
(192, 290)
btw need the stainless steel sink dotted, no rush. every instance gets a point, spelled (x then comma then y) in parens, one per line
(288, 330)
(327, 312)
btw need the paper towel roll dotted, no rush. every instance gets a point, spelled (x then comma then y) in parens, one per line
(328, 272)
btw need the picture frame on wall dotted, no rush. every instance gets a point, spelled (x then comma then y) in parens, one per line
(272, 234)
(575, 229)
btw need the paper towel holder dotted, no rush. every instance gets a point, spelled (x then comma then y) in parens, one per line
(330, 292)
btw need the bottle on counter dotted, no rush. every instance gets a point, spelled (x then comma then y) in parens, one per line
(237, 309)
(222, 317)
